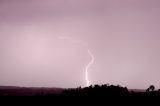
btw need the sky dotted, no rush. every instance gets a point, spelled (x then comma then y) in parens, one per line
(45, 43)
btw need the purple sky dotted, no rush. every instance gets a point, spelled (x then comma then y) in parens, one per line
(123, 36)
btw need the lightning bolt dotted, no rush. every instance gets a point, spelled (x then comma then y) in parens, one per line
(87, 67)
(89, 52)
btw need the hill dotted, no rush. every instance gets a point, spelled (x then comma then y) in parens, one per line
(28, 91)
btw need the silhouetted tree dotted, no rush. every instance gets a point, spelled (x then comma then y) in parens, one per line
(90, 86)
(96, 86)
(147, 90)
(151, 88)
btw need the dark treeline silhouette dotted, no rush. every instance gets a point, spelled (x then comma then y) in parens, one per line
(101, 94)
(97, 90)
(105, 90)
(105, 94)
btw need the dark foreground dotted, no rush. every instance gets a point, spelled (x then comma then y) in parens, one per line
(100, 94)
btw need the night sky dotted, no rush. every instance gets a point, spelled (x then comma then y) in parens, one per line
(45, 43)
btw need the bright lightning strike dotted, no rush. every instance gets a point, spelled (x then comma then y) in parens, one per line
(89, 52)
(87, 67)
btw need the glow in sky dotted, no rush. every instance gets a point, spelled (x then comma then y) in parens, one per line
(122, 35)
(89, 52)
